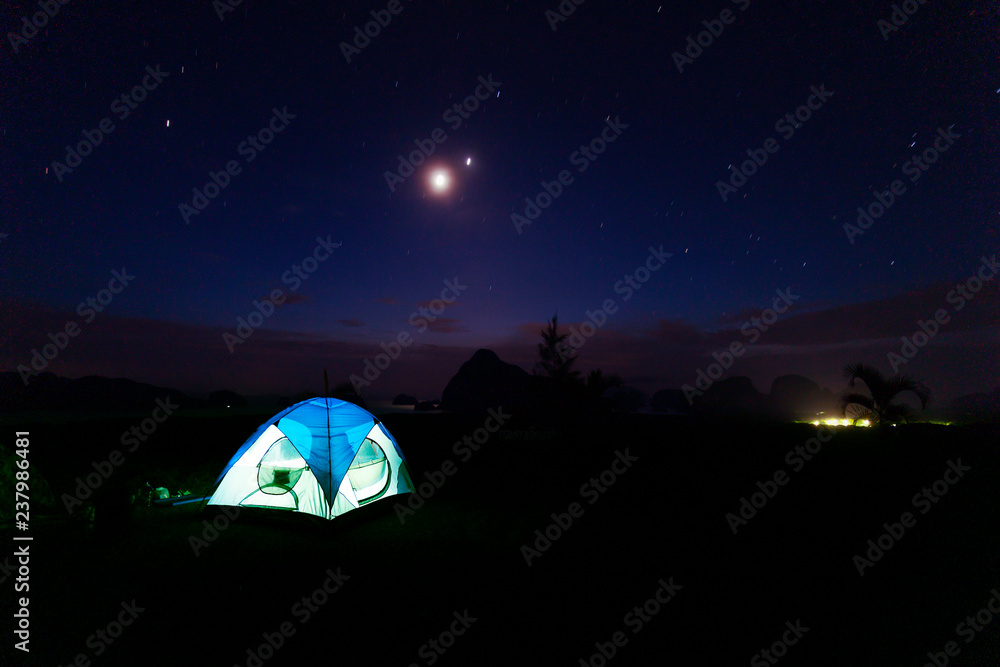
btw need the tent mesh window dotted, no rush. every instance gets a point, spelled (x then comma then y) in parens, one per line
(280, 468)
(369, 472)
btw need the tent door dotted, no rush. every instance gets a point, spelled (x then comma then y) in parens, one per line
(369, 473)
(280, 468)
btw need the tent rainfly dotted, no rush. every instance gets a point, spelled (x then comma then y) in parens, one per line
(322, 456)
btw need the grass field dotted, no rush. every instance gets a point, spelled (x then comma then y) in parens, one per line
(662, 519)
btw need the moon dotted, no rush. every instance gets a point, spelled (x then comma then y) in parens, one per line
(440, 180)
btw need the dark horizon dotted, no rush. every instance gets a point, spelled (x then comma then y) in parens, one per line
(424, 371)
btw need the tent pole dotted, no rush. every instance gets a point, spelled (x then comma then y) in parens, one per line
(329, 450)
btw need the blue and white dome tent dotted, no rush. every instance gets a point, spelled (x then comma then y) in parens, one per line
(322, 456)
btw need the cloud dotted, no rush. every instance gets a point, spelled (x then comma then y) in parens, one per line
(960, 359)
(889, 317)
(195, 359)
(531, 329)
(445, 325)
(438, 302)
(677, 333)
(292, 298)
(814, 343)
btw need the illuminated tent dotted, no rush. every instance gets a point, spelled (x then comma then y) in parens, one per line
(322, 456)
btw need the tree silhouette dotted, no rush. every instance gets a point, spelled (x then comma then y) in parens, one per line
(556, 357)
(879, 407)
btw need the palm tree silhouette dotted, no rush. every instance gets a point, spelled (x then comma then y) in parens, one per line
(878, 407)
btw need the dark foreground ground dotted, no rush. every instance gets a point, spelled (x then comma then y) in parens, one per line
(403, 582)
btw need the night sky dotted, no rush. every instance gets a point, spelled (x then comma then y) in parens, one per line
(680, 127)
